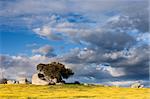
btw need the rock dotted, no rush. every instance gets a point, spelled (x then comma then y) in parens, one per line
(11, 82)
(23, 80)
(54, 80)
(51, 83)
(60, 83)
(141, 86)
(85, 84)
(137, 85)
(37, 81)
(17, 82)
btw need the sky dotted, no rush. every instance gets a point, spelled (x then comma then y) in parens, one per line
(102, 41)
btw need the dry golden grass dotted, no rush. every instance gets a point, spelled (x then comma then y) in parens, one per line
(71, 92)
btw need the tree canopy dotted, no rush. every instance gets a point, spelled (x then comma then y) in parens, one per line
(54, 70)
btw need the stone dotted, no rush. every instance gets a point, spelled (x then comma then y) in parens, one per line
(23, 80)
(54, 80)
(85, 84)
(11, 82)
(137, 85)
(141, 86)
(17, 82)
(60, 83)
(37, 81)
(51, 83)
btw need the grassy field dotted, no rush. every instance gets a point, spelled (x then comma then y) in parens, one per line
(71, 92)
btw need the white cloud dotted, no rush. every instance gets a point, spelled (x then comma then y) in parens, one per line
(144, 37)
(116, 72)
(2, 73)
(62, 6)
(44, 31)
(43, 50)
(114, 55)
(83, 54)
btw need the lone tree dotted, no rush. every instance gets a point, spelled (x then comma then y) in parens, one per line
(54, 70)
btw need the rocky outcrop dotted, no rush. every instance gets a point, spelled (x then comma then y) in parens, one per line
(23, 80)
(60, 83)
(85, 84)
(11, 82)
(40, 79)
(137, 85)
(36, 80)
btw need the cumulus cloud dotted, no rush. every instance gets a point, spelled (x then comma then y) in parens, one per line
(115, 44)
(42, 6)
(115, 72)
(126, 64)
(45, 50)
(2, 73)
(13, 65)
(47, 32)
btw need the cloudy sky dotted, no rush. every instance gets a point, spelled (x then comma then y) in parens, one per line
(102, 41)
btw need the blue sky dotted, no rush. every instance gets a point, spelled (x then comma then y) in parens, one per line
(103, 41)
